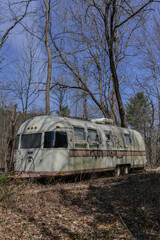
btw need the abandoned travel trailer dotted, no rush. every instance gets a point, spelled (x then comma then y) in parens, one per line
(53, 145)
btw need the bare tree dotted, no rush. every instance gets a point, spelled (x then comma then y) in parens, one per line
(27, 77)
(98, 34)
(47, 44)
(40, 29)
(110, 19)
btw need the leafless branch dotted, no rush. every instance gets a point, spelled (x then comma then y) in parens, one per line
(4, 37)
(134, 14)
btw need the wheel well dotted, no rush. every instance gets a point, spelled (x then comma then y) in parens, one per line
(123, 165)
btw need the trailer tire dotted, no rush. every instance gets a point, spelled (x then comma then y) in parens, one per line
(118, 171)
(126, 170)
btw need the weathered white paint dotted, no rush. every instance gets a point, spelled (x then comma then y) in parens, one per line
(58, 160)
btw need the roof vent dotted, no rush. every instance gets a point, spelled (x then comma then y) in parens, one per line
(102, 121)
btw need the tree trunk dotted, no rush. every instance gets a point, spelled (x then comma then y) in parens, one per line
(110, 37)
(151, 133)
(114, 108)
(49, 71)
(10, 141)
(158, 135)
(122, 112)
(85, 110)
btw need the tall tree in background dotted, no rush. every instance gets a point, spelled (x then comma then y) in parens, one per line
(47, 44)
(139, 113)
(39, 27)
(111, 14)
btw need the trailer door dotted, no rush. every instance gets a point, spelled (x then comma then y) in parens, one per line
(55, 152)
(29, 153)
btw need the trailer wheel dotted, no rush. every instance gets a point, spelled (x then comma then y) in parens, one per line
(118, 171)
(126, 170)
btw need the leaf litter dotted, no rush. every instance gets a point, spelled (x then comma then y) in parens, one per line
(68, 210)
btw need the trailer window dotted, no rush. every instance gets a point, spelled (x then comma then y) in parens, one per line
(127, 138)
(55, 140)
(16, 144)
(92, 136)
(49, 140)
(79, 134)
(80, 137)
(31, 140)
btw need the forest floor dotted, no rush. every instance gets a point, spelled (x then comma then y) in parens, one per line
(97, 208)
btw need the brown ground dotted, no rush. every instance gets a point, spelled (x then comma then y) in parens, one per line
(130, 210)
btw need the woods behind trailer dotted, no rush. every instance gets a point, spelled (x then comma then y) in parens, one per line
(53, 145)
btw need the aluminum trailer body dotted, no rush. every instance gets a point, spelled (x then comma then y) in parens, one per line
(53, 145)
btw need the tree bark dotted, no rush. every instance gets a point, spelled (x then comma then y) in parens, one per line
(158, 135)
(85, 110)
(114, 108)
(110, 35)
(122, 112)
(49, 70)
(10, 141)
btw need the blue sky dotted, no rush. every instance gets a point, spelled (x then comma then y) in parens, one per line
(17, 40)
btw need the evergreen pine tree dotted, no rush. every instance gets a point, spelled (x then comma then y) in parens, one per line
(139, 113)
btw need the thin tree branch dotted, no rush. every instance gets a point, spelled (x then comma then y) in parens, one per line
(135, 13)
(4, 37)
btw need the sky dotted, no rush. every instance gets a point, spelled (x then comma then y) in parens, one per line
(14, 47)
(12, 51)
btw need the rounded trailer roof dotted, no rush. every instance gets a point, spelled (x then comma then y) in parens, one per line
(52, 122)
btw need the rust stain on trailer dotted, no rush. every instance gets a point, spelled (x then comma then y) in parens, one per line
(104, 153)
